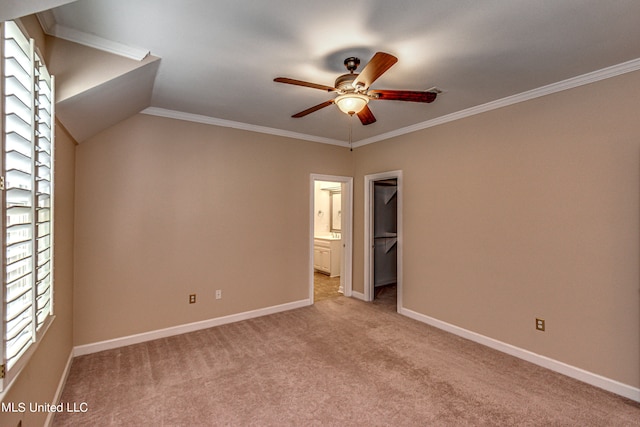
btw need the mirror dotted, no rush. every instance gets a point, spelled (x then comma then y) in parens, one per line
(336, 211)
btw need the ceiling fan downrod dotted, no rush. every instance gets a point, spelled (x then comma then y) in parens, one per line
(351, 63)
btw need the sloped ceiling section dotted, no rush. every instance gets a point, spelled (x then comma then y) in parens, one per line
(12, 9)
(96, 89)
(99, 107)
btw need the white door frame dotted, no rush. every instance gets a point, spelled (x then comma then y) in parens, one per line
(369, 181)
(346, 279)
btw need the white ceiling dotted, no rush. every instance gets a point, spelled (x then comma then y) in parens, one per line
(219, 58)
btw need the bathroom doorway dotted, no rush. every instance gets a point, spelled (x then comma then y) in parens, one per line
(330, 237)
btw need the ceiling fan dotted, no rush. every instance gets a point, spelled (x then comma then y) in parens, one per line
(354, 89)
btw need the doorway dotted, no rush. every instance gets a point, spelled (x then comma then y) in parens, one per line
(383, 235)
(331, 220)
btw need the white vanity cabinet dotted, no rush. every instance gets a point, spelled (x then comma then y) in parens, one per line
(327, 253)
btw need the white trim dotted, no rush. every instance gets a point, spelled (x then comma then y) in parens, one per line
(368, 225)
(60, 389)
(197, 118)
(592, 77)
(605, 73)
(346, 275)
(47, 21)
(368, 253)
(347, 249)
(183, 329)
(51, 28)
(358, 295)
(596, 380)
(12, 375)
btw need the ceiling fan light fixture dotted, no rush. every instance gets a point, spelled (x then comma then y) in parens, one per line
(351, 103)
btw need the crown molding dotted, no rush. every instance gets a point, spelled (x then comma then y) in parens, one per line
(197, 118)
(52, 28)
(605, 73)
(47, 20)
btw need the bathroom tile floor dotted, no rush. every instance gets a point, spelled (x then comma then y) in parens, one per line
(325, 287)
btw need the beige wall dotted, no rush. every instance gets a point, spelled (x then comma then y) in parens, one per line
(527, 211)
(523, 212)
(167, 208)
(40, 378)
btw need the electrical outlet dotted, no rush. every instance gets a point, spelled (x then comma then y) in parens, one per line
(218, 294)
(192, 299)
(539, 324)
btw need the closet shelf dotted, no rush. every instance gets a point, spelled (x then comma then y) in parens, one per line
(385, 235)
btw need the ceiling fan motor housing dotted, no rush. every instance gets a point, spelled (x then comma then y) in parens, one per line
(344, 83)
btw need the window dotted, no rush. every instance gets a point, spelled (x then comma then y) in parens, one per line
(27, 186)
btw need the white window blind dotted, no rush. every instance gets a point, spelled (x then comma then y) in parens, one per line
(27, 163)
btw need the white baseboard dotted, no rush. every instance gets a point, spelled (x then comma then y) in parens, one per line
(596, 380)
(357, 295)
(182, 329)
(63, 380)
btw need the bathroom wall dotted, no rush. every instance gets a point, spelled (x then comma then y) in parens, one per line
(322, 214)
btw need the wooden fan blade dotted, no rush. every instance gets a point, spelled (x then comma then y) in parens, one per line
(405, 95)
(312, 109)
(303, 83)
(380, 63)
(366, 116)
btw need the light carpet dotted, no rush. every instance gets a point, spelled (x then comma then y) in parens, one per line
(340, 362)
